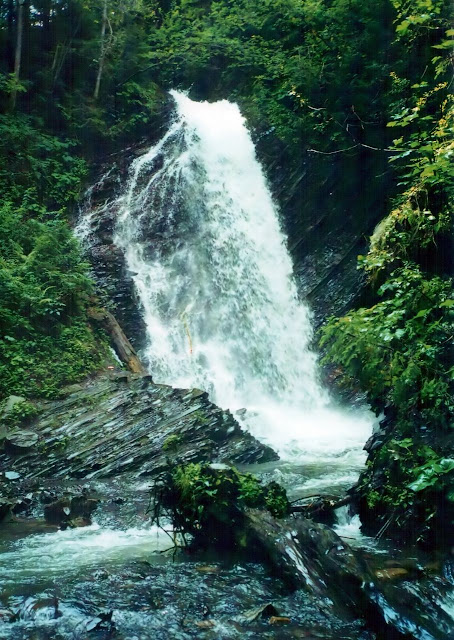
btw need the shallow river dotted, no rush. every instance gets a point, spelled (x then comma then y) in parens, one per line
(117, 579)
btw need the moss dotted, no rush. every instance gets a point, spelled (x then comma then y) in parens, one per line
(20, 414)
(200, 418)
(171, 443)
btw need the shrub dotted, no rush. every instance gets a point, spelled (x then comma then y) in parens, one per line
(207, 502)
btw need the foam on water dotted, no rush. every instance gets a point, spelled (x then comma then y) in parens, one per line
(65, 552)
(349, 527)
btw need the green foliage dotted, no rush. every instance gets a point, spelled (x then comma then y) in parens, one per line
(398, 349)
(432, 474)
(45, 340)
(171, 443)
(20, 414)
(38, 170)
(9, 83)
(276, 500)
(416, 484)
(416, 18)
(41, 363)
(207, 503)
(398, 459)
(309, 70)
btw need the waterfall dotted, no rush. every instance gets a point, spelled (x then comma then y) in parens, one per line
(201, 234)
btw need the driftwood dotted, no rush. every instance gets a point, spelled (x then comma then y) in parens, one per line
(121, 344)
(321, 508)
(321, 504)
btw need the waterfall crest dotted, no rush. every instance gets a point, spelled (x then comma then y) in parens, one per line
(201, 234)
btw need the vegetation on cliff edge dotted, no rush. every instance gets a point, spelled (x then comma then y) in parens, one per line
(400, 348)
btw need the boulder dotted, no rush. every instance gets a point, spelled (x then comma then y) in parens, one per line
(4, 413)
(75, 512)
(10, 403)
(20, 441)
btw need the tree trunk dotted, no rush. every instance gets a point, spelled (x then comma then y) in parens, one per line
(9, 55)
(18, 52)
(61, 53)
(121, 344)
(45, 16)
(102, 53)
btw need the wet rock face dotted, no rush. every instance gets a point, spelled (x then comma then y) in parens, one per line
(20, 441)
(330, 205)
(114, 280)
(128, 423)
(75, 511)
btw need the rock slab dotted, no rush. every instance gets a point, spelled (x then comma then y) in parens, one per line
(129, 424)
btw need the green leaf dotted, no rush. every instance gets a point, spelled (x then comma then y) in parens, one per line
(446, 44)
(429, 474)
(402, 28)
(422, 313)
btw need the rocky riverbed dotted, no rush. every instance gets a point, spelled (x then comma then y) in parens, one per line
(122, 422)
(80, 558)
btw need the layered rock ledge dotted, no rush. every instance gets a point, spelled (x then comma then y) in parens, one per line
(126, 423)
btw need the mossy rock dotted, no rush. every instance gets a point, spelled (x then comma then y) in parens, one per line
(208, 501)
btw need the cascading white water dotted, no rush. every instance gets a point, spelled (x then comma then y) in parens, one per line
(41, 555)
(201, 234)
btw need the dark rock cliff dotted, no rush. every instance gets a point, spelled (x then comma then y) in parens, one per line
(330, 205)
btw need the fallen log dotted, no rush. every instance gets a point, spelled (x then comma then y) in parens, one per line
(321, 509)
(311, 556)
(120, 342)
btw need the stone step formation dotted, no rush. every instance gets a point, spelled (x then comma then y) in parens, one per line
(125, 422)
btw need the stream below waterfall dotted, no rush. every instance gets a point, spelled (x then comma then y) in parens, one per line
(202, 239)
(62, 583)
(118, 579)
